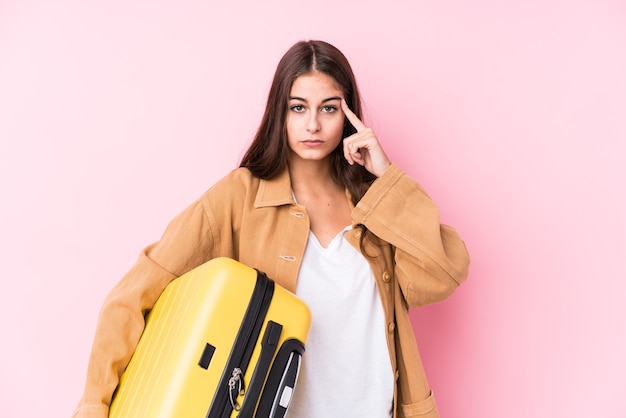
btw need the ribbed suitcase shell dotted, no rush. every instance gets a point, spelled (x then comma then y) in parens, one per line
(203, 308)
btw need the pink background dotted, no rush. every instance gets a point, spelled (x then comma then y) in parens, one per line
(115, 115)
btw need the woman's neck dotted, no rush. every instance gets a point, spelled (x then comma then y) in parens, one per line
(325, 201)
(312, 177)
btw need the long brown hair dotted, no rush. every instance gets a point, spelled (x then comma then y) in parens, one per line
(267, 155)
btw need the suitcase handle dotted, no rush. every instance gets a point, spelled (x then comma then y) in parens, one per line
(269, 345)
(282, 380)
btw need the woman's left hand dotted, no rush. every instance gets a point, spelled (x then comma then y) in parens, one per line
(363, 147)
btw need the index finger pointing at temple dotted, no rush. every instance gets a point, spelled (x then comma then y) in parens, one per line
(354, 120)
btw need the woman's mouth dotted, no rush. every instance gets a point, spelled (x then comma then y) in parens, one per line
(312, 142)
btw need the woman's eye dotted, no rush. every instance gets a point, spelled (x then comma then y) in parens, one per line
(297, 108)
(329, 109)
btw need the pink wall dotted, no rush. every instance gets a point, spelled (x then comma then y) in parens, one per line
(113, 117)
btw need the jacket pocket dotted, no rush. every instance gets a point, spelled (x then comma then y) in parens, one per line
(424, 409)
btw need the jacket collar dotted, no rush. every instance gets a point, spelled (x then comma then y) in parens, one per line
(275, 192)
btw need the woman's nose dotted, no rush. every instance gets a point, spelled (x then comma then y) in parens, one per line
(313, 124)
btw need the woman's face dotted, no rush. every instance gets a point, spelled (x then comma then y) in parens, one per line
(314, 118)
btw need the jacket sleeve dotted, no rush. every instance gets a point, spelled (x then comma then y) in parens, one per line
(186, 243)
(431, 260)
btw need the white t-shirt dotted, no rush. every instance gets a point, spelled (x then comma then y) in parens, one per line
(346, 370)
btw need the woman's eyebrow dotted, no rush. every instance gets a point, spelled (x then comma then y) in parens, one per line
(323, 101)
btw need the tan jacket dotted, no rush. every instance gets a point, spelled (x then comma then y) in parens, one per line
(415, 261)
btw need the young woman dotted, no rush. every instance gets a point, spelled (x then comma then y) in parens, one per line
(318, 206)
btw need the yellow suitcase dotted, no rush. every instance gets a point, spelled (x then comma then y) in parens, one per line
(221, 341)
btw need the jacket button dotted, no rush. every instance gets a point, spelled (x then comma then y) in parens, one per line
(386, 277)
(391, 327)
(397, 375)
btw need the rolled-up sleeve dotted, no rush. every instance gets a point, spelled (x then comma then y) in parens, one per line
(431, 260)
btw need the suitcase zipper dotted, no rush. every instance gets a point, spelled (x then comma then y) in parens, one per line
(235, 387)
(231, 383)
